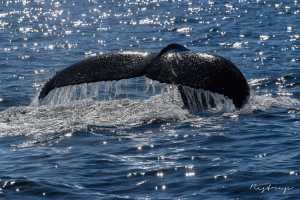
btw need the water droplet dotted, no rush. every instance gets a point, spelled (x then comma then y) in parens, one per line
(160, 174)
(264, 37)
(292, 172)
(140, 148)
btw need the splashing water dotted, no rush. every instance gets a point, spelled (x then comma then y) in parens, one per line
(199, 100)
(74, 108)
(136, 88)
(120, 104)
(266, 101)
(143, 88)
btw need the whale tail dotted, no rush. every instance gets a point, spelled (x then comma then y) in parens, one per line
(106, 67)
(199, 71)
(174, 64)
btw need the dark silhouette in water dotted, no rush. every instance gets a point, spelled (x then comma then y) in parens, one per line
(174, 64)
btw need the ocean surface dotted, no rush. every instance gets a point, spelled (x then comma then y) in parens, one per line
(132, 139)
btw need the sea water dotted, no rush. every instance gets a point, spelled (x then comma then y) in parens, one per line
(134, 139)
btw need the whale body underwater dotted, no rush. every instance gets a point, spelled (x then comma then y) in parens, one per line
(174, 64)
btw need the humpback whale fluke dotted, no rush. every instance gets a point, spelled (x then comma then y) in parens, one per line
(201, 71)
(174, 64)
(106, 67)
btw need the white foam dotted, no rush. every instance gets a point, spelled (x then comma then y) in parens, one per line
(267, 101)
(48, 120)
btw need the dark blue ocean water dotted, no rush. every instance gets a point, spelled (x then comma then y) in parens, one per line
(149, 147)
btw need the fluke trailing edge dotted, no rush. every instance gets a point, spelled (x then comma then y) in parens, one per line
(174, 64)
